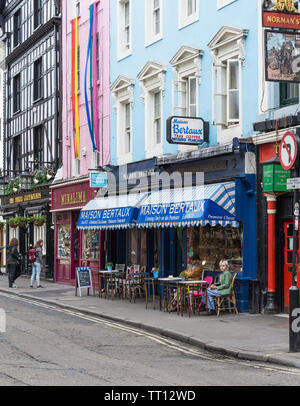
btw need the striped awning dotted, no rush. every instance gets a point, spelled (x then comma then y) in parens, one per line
(191, 206)
(110, 213)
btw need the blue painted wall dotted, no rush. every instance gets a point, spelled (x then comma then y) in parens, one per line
(240, 13)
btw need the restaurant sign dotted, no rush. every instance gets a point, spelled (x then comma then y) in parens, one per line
(25, 198)
(187, 130)
(72, 196)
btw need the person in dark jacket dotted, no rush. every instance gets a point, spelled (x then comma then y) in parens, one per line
(12, 262)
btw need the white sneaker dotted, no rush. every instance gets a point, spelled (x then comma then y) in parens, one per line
(14, 286)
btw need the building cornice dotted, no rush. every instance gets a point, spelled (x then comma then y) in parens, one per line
(273, 136)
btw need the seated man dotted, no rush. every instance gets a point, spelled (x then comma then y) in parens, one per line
(193, 273)
(224, 287)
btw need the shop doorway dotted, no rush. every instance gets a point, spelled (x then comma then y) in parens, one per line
(288, 262)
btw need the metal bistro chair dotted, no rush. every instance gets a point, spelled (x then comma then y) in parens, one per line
(137, 285)
(227, 302)
(196, 295)
(119, 278)
(125, 283)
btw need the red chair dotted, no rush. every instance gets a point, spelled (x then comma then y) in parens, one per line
(196, 295)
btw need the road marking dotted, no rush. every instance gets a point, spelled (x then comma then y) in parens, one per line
(163, 341)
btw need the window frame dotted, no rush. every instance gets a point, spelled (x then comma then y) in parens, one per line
(283, 101)
(38, 16)
(38, 88)
(151, 36)
(38, 145)
(124, 29)
(184, 19)
(17, 28)
(17, 93)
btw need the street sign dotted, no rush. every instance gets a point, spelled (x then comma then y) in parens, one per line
(288, 152)
(98, 179)
(293, 183)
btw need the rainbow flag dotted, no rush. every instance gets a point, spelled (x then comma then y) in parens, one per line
(74, 90)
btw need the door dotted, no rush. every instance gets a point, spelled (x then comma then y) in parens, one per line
(288, 262)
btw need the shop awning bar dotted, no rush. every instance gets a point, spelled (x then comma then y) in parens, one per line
(191, 206)
(111, 213)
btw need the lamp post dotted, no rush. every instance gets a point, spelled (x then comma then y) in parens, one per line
(3, 186)
(26, 179)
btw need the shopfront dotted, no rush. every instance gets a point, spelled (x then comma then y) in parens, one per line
(164, 227)
(275, 233)
(72, 247)
(28, 219)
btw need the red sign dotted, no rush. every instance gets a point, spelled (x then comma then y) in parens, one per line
(71, 196)
(288, 150)
(281, 20)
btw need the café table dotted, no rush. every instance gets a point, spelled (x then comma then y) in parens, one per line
(108, 277)
(168, 284)
(184, 289)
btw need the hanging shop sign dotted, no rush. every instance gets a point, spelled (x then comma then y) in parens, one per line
(289, 150)
(98, 179)
(281, 14)
(275, 178)
(282, 50)
(187, 130)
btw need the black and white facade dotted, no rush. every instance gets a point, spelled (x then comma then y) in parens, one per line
(31, 34)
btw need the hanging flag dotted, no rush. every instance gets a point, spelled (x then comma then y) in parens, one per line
(92, 115)
(74, 88)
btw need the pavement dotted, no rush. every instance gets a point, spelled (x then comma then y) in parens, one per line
(254, 337)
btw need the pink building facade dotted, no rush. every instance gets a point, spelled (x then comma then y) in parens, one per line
(85, 121)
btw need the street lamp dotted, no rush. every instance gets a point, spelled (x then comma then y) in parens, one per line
(26, 179)
(3, 186)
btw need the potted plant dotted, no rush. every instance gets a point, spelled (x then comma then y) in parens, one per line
(155, 272)
(2, 225)
(109, 266)
(21, 221)
(39, 177)
(14, 186)
(39, 220)
(183, 275)
(12, 222)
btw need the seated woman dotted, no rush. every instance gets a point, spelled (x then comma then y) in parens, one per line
(193, 273)
(224, 287)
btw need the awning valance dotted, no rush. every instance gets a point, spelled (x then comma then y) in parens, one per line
(113, 212)
(191, 206)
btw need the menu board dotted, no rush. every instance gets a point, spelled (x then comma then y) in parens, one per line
(84, 279)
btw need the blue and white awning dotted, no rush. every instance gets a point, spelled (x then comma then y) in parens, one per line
(191, 206)
(109, 213)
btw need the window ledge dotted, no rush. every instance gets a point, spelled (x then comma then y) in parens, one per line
(153, 40)
(188, 21)
(124, 54)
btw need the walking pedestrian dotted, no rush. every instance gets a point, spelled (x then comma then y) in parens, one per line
(36, 258)
(13, 258)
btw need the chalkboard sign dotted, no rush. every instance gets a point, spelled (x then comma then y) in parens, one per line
(84, 279)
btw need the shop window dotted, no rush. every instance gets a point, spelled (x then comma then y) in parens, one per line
(289, 93)
(64, 241)
(213, 244)
(91, 245)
